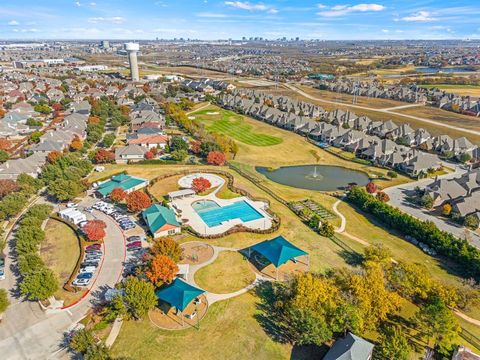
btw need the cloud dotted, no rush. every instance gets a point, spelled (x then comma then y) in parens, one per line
(93, 4)
(245, 5)
(78, 3)
(340, 10)
(13, 23)
(100, 19)
(212, 15)
(385, 31)
(420, 16)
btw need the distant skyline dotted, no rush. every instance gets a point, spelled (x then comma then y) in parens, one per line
(211, 20)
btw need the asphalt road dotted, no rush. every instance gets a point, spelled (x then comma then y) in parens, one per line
(398, 198)
(27, 332)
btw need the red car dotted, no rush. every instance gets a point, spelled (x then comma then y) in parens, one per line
(93, 247)
(134, 244)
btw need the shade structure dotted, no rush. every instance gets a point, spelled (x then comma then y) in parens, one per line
(179, 294)
(278, 250)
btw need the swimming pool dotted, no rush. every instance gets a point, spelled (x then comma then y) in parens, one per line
(213, 214)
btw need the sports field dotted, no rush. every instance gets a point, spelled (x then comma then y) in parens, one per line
(227, 122)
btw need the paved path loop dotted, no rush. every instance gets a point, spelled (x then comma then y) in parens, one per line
(385, 111)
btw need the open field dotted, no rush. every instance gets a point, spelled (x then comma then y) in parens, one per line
(60, 252)
(228, 331)
(464, 90)
(230, 272)
(233, 125)
(187, 71)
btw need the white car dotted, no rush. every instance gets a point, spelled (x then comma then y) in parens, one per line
(81, 282)
(71, 205)
(88, 269)
(2, 274)
(109, 211)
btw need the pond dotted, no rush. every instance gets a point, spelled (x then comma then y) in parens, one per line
(443, 70)
(315, 177)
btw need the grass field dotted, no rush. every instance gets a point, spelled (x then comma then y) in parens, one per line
(233, 125)
(60, 252)
(230, 272)
(464, 90)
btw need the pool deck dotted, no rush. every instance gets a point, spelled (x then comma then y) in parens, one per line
(196, 222)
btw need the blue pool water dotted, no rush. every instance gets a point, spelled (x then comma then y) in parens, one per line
(213, 214)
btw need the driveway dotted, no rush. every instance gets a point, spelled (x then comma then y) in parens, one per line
(398, 198)
(27, 332)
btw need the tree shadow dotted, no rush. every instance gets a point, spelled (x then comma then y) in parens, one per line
(267, 317)
(307, 352)
(352, 258)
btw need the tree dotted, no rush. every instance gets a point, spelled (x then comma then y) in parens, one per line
(436, 322)
(5, 144)
(200, 184)
(104, 156)
(471, 221)
(179, 155)
(4, 302)
(216, 158)
(383, 196)
(97, 352)
(149, 155)
(34, 123)
(53, 156)
(108, 140)
(35, 137)
(94, 230)
(161, 270)
(115, 308)
(392, 174)
(82, 340)
(76, 144)
(167, 247)
(8, 186)
(465, 157)
(118, 195)
(371, 187)
(4, 156)
(39, 285)
(207, 147)
(446, 209)
(177, 144)
(195, 146)
(378, 253)
(138, 200)
(394, 344)
(326, 229)
(42, 108)
(140, 296)
(306, 327)
(426, 201)
(64, 190)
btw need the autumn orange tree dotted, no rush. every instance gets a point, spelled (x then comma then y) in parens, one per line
(94, 120)
(200, 184)
(383, 196)
(168, 247)
(5, 144)
(104, 156)
(76, 144)
(8, 186)
(94, 230)
(216, 158)
(117, 195)
(53, 156)
(138, 200)
(149, 155)
(161, 270)
(371, 187)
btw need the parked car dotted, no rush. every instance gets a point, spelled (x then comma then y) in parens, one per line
(127, 227)
(2, 274)
(134, 238)
(71, 205)
(88, 269)
(2, 262)
(93, 251)
(90, 263)
(81, 224)
(93, 257)
(85, 275)
(81, 282)
(89, 209)
(94, 246)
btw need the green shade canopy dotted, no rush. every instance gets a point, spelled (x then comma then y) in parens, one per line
(122, 181)
(278, 250)
(179, 294)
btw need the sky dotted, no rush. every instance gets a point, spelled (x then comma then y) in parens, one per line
(213, 19)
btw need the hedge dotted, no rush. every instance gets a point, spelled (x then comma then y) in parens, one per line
(459, 251)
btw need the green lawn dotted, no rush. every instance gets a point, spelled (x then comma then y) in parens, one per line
(228, 331)
(230, 272)
(233, 125)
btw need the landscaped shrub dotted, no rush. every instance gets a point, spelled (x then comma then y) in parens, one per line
(459, 251)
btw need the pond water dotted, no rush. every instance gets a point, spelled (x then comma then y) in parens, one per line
(315, 177)
(443, 70)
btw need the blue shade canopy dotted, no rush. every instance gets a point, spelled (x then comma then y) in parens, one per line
(179, 294)
(278, 250)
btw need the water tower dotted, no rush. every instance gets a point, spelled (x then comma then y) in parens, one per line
(132, 49)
